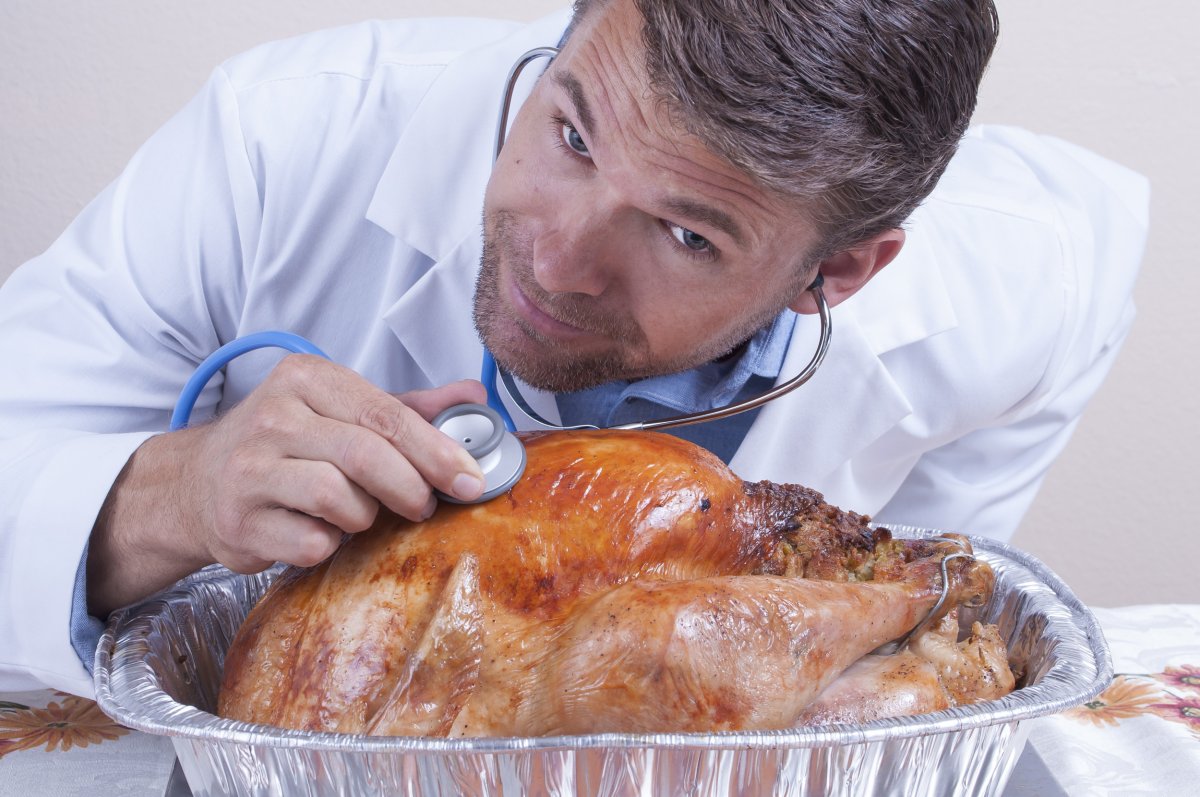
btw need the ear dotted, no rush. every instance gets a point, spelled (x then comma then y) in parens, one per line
(847, 271)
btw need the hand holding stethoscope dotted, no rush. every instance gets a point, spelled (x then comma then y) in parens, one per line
(478, 428)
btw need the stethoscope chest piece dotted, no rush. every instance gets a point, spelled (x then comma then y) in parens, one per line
(480, 430)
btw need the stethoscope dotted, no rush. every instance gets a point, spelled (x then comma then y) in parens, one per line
(486, 431)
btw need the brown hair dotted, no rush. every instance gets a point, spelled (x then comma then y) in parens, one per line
(852, 106)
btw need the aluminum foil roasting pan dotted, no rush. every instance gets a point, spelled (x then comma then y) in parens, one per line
(158, 669)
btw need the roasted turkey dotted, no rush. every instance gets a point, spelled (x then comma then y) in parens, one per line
(630, 582)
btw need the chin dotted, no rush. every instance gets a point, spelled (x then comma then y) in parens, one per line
(552, 368)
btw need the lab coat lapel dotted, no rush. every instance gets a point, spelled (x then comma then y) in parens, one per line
(432, 320)
(430, 197)
(848, 403)
(431, 192)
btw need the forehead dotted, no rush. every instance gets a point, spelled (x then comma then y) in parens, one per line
(632, 131)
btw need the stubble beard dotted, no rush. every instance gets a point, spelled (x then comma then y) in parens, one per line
(520, 349)
(547, 365)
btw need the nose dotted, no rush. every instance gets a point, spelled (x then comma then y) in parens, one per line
(575, 251)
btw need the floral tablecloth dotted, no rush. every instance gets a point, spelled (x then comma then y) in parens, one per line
(58, 745)
(1141, 736)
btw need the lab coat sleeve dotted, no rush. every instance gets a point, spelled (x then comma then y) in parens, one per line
(984, 481)
(97, 335)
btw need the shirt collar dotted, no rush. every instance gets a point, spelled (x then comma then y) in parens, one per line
(705, 387)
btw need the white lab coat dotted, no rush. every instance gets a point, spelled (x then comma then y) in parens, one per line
(331, 185)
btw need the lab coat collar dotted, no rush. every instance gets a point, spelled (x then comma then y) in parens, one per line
(908, 300)
(433, 319)
(852, 400)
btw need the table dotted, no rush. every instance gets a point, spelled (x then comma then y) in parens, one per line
(1141, 736)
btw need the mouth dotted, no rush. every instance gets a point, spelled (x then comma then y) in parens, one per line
(539, 322)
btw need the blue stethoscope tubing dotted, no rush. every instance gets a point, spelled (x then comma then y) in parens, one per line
(297, 345)
(222, 357)
(487, 375)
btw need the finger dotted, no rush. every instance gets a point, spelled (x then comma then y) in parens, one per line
(428, 403)
(322, 490)
(369, 461)
(435, 457)
(280, 535)
(295, 538)
(339, 394)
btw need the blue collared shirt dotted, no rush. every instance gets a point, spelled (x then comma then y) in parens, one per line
(711, 385)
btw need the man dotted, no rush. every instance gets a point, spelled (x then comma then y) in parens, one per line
(668, 190)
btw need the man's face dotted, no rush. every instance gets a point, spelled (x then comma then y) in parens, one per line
(615, 245)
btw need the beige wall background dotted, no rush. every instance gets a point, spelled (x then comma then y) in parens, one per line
(83, 84)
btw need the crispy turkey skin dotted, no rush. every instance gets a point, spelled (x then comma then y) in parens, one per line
(628, 582)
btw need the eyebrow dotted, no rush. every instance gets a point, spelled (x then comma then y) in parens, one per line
(570, 84)
(687, 208)
(706, 214)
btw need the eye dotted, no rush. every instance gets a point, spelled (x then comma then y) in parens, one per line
(571, 137)
(694, 242)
